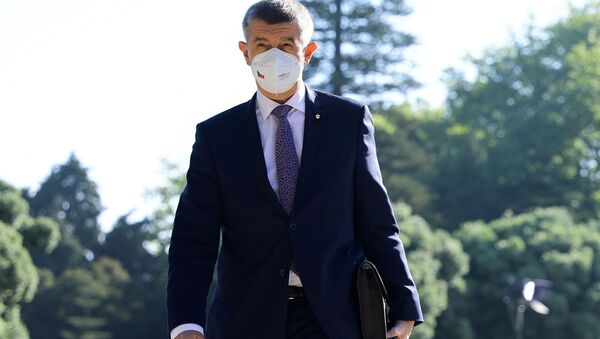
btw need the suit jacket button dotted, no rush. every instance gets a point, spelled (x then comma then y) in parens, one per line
(282, 272)
(292, 226)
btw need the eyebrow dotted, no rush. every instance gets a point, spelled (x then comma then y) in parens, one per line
(265, 39)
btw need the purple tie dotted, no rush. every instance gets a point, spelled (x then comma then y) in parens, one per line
(286, 161)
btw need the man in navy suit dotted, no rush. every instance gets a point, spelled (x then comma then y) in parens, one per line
(291, 183)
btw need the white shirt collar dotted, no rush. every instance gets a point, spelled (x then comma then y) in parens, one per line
(297, 101)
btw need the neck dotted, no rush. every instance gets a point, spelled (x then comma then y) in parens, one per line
(281, 98)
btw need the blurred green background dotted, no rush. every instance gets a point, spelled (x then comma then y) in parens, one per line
(499, 184)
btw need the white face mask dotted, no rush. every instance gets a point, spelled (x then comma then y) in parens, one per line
(276, 71)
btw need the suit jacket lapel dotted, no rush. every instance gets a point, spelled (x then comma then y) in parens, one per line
(314, 119)
(252, 147)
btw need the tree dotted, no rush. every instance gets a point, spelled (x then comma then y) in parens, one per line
(19, 232)
(545, 243)
(144, 298)
(437, 262)
(524, 133)
(166, 197)
(71, 198)
(18, 282)
(361, 51)
(407, 155)
(79, 292)
(80, 303)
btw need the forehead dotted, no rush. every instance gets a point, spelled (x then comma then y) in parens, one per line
(259, 29)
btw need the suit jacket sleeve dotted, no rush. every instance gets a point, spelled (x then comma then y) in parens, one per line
(195, 238)
(377, 230)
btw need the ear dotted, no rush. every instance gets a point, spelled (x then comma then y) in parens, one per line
(244, 48)
(310, 50)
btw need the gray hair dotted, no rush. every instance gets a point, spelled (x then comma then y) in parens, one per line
(279, 11)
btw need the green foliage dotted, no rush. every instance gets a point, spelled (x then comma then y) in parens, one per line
(525, 131)
(405, 154)
(83, 296)
(71, 198)
(18, 282)
(544, 243)
(18, 275)
(81, 303)
(144, 299)
(166, 197)
(37, 233)
(361, 51)
(437, 262)
(13, 208)
(41, 233)
(11, 326)
(67, 206)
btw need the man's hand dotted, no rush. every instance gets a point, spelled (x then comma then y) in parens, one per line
(401, 330)
(190, 335)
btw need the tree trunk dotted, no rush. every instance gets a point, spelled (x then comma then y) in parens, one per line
(337, 78)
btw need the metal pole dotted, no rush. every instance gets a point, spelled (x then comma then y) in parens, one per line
(520, 320)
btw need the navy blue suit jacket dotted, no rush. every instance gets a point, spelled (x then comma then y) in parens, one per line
(341, 214)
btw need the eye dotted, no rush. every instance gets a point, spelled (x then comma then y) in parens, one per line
(287, 47)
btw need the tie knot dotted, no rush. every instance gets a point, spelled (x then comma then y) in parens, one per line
(281, 111)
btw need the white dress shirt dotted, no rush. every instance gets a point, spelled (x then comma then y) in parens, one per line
(267, 125)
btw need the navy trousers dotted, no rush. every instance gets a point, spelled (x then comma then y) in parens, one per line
(301, 322)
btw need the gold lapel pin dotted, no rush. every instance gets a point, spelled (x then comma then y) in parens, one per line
(317, 116)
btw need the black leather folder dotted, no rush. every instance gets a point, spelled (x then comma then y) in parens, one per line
(372, 297)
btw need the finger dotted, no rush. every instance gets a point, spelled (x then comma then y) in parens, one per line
(395, 331)
(400, 331)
